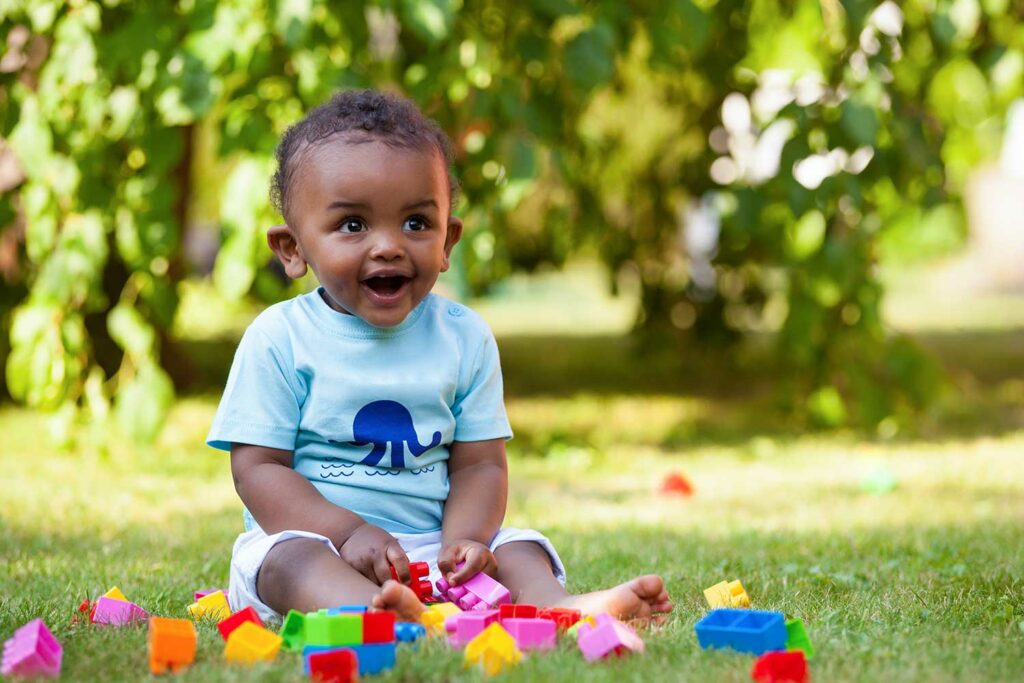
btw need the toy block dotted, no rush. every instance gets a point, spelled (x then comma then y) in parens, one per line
(418, 573)
(562, 616)
(584, 623)
(467, 601)
(334, 629)
(676, 484)
(172, 644)
(487, 590)
(797, 638)
(250, 643)
(780, 667)
(116, 594)
(113, 612)
(727, 594)
(333, 666)
(493, 650)
(408, 632)
(85, 607)
(378, 627)
(743, 630)
(309, 650)
(293, 631)
(532, 634)
(228, 625)
(521, 611)
(348, 609)
(375, 657)
(213, 606)
(608, 636)
(32, 651)
(200, 594)
(469, 625)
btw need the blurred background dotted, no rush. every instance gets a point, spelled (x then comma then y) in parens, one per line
(806, 213)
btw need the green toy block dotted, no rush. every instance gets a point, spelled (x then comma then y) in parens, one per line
(334, 629)
(293, 631)
(796, 638)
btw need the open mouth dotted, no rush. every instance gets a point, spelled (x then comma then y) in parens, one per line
(386, 286)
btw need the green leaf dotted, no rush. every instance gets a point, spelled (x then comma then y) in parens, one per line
(32, 140)
(292, 20)
(130, 330)
(430, 20)
(141, 405)
(826, 407)
(589, 58)
(805, 236)
(860, 122)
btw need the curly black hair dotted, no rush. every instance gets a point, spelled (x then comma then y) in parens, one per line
(368, 114)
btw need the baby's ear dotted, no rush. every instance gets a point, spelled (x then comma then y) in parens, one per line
(283, 243)
(450, 240)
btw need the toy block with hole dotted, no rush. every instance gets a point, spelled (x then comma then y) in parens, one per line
(727, 594)
(780, 667)
(743, 630)
(226, 626)
(606, 637)
(172, 644)
(532, 634)
(293, 631)
(250, 643)
(797, 638)
(334, 629)
(408, 632)
(494, 650)
(521, 611)
(333, 666)
(32, 651)
(562, 616)
(379, 627)
(213, 606)
(113, 612)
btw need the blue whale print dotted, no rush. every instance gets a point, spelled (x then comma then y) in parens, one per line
(388, 422)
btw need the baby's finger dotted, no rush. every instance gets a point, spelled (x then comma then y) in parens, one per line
(446, 561)
(475, 559)
(400, 561)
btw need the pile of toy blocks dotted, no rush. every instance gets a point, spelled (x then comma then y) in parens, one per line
(782, 644)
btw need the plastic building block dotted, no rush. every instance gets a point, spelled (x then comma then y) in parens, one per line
(727, 594)
(408, 632)
(562, 616)
(375, 657)
(333, 666)
(584, 622)
(676, 484)
(468, 625)
(200, 594)
(797, 638)
(117, 612)
(780, 667)
(309, 650)
(293, 631)
(521, 611)
(378, 627)
(116, 594)
(493, 650)
(608, 636)
(250, 643)
(84, 608)
(32, 651)
(532, 634)
(235, 620)
(334, 629)
(213, 606)
(418, 573)
(172, 644)
(479, 592)
(348, 609)
(743, 630)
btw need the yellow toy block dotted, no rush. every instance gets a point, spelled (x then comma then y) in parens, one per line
(727, 594)
(446, 609)
(433, 617)
(250, 643)
(213, 606)
(116, 594)
(494, 650)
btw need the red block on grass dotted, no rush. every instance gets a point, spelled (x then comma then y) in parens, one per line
(334, 666)
(780, 667)
(226, 626)
(379, 627)
(563, 617)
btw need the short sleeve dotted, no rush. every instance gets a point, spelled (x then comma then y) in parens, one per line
(260, 405)
(479, 408)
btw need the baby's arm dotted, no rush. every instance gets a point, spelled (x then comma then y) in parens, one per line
(478, 492)
(280, 499)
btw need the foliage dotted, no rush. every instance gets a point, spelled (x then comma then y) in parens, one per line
(746, 159)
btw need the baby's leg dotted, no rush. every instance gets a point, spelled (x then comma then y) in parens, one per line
(525, 569)
(303, 574)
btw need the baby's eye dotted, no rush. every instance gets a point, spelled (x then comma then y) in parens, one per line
(415, 224)
(352, 225)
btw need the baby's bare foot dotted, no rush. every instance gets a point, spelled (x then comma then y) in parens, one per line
(394, 597)
(642, 599)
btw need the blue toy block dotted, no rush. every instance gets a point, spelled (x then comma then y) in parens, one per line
(743, 630)
(347, 609)
(375, 657)
(317, 649)
(408, 632)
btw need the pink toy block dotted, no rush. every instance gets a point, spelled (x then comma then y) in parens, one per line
(467, 601)
(32, 651)
(117, 612)
(455, 593)
(488, 590)
(468, 625)
(532, 633)
(607, 636)
(203, 593)
(443, 586)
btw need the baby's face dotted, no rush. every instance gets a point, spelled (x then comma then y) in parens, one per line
(372, 221)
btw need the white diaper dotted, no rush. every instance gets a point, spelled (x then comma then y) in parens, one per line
(251, 549)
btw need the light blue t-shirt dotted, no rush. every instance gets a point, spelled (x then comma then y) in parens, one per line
(369, 412)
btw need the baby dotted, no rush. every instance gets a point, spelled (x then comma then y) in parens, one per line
(365, 420)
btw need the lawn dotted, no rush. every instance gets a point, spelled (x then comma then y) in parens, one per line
(924, 583)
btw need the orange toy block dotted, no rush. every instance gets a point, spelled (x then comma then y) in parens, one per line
(250, 643)
(172, 644)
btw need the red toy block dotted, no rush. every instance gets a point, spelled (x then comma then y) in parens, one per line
(334, 666)
(522, 611)
(562, 616)
(676, 484)
(226, 626)
(418, 573)
(379, 627)
(780, 667)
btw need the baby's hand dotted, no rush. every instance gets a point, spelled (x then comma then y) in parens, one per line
(477, 557)
(370, 549)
